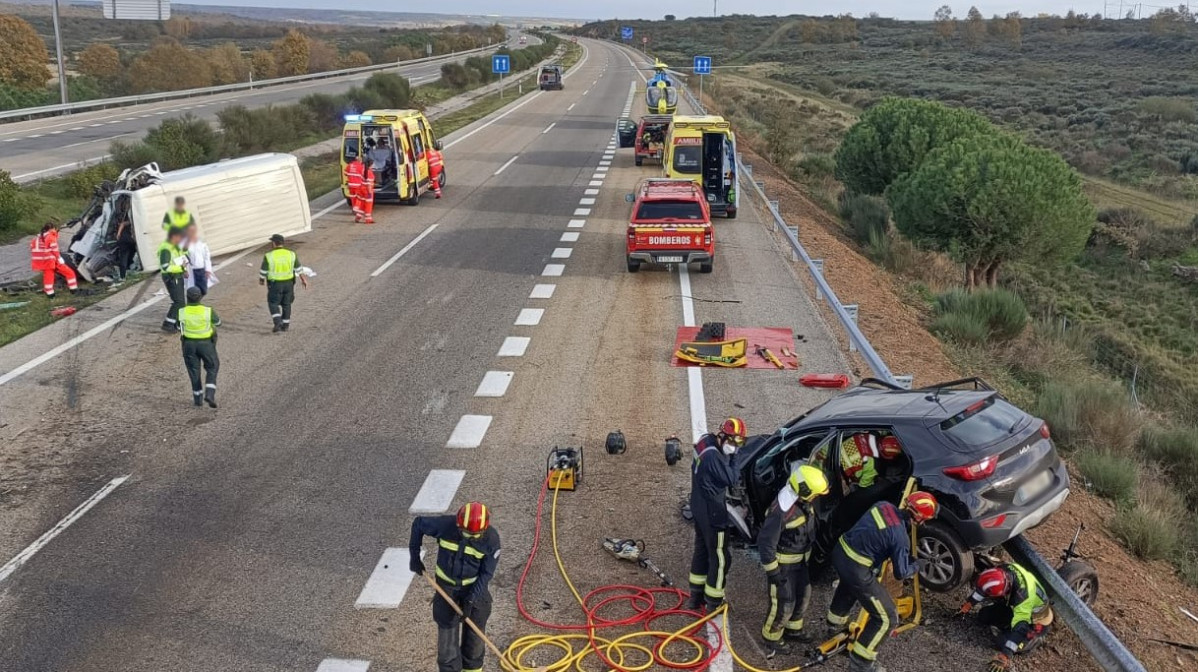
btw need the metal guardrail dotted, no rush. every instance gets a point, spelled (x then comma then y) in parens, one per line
(1102, 644)
(225, 88)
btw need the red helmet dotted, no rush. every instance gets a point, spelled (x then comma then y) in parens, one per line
(994, 582)
(474, 518)
(734, 428)
(889, 448)
(922, 506)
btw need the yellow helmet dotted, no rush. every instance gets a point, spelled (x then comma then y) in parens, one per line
(808, 482)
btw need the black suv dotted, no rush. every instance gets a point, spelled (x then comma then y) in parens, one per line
(992, 467)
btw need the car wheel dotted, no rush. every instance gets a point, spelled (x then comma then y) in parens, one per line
(350, 202)
(1082, 579)
(706, 267)
(731, 214)
(633, 266)
(949, 562)
(442, 179)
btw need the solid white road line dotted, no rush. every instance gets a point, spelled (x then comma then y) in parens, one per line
(577, 223)
(514, 346)
(12, 139)
(72, 164)
(694, 374)
(591, 192)
(438, 490)
(549, 128)
(32, 549)
(470, 432)
(494, 384)
(570, 237)
(542, 292)
(562, 252)
(343, 665)
(388, 582)
(504, 166)
(387, 264)
(553, 270)
(586, 201)
(582, 212)
(529, 317)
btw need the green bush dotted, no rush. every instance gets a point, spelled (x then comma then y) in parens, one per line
(1148, 534)
(1090, 414)
(1170, 109)
(996, 314)
(17, 206)
(81, 183)
(892, 252)
(865, 215)
(817, 165)
(455, 76)
(961, 328)
(358, 100)
(175, 143)
(1176, 450)
(327, 112)
(1110, 476)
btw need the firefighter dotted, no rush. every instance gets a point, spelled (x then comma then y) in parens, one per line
(882, 534)
(280, 268)
(353, 185)
(45, 256)
(172, 262)
(198, 325)
(1017, 607)
(436, 166)
(859, 455)
(712, 472)
(467, 553)
(366, 193)
(784, 543)
(178, 218)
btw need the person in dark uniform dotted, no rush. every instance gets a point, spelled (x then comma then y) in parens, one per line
(882, 534)
(1016, 606)
(467, 554)
(712, 472)
(197, 325)
(172, 262)
(784, 543)
(280, 268)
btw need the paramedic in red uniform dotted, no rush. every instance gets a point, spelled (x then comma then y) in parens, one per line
(45, 256)
(353, 184)
(366, 194)
(436, 164)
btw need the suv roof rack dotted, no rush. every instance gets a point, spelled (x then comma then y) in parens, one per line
(974, 383)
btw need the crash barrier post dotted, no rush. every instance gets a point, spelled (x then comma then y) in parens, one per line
(225, 88)
(1107, 650)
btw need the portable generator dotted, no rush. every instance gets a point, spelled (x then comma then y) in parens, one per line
(564, 468)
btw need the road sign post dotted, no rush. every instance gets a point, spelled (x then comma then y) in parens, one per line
(500, 65)
(702, 67)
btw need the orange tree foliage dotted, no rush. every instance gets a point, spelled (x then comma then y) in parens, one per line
(24, 60)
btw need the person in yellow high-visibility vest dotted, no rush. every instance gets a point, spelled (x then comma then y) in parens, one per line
(179, 218)
(197, 326)
(172, 262)
(280, 268)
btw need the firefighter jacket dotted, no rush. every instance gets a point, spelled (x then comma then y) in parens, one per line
(1027, 598)
(712, 473)
(881, 535)
(463, 563)
(786, 536)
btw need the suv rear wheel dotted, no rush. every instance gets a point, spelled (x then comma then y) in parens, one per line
(949, 562)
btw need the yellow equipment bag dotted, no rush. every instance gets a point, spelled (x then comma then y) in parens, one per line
(729, 354)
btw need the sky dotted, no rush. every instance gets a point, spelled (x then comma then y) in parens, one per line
(656, 9)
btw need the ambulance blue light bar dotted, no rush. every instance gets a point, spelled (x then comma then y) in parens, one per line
(358, 118)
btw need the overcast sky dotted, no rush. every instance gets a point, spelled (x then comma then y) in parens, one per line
(656, 9)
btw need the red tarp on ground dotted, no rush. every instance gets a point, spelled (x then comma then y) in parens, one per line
(774, 338)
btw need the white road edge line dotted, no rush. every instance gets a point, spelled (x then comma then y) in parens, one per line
(32, 549)
(504, 166)
(469, 432)
(343, 665)
(387, 264)
(549, 128)
(388, 582)
(437, 492)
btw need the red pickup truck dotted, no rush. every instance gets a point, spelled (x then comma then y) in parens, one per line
(670, 224)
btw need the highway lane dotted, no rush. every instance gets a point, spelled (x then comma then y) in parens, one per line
(243, 530)
(40, 148)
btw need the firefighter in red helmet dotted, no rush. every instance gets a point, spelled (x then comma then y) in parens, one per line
(467, 554)
(712, 472)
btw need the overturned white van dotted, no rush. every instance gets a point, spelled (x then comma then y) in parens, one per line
(238, 204)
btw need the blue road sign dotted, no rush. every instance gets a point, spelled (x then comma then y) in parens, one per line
(501, 64)
(626, 32)
(702, 65)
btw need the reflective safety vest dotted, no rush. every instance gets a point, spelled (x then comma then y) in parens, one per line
(435, 162)
(43, 251)
(196, 322)
(368, 178)
(353, 174)
(1027, 598)
(280, 265)
(176, 220)
(174, 265)
(454, 547)
(461, 561)
(857, 460)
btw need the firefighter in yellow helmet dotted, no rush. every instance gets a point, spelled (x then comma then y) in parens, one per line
(784, 542)
(712, 472)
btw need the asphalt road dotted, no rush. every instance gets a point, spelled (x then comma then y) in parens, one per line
(41, 148)
(244, 536)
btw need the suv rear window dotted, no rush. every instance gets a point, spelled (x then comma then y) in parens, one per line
(983, 423)
(685, 210)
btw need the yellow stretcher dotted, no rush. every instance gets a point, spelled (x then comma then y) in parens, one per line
(730, 354)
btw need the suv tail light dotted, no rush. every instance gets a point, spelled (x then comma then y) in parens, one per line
(1044, 430)
(707, 238)
(973, 472)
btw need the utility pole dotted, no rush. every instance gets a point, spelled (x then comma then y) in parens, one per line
(715, 8)
(62, 68)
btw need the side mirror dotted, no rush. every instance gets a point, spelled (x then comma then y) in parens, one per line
(629, 198)
(437, 145)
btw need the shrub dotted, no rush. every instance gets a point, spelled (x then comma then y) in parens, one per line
(1170, 109)
(1176, 450)
(455, 75)
(963, 328)
(263, 129)
(1148, 534)
(1110, 476)
(1089, 414)
(892, 252)
(81, 183)
(394, 89)
(864, 214)
(360, 99)
(174, 144)
(326, 111)
(1048, 352)
(817, 165)
(16, 205)
(995, 314)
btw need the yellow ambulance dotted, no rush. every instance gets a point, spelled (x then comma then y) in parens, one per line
(703, 149)
(396, 144)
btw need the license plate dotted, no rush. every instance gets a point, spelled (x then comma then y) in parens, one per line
(1033, 488)
(669, 260)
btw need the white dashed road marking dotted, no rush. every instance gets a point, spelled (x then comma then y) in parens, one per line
(343, 665)
(438, 490)
(494, 384)
(387, 264)
(577, 223)
(514, 346)
(530, 317)
(562, 252)
(542, 292)
(570, 237)
(595, 183)
(553, 270)
(591, 192)
(470, 432)
(388, 582)
(549, 128)
(586, 201)
(509, 162)
(571, 106)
